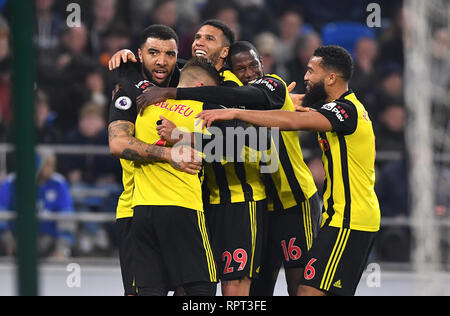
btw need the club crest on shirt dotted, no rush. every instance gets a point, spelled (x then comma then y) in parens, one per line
(123, 103)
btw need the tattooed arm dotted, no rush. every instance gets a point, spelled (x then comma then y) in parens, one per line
(124, 145)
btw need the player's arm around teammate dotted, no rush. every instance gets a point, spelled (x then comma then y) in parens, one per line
(158, 66)
(237, 184)
(351, 215)
(296, 191)
(124, 145)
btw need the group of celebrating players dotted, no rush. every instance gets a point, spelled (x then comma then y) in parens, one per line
(186, 221)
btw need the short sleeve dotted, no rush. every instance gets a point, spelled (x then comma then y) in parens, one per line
(122, 108)
(131, 80)
(274, 90)
(343, 116)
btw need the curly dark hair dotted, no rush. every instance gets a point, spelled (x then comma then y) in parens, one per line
(336, 58)
(226, 30)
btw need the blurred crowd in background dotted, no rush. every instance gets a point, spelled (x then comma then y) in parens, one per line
(74, 85)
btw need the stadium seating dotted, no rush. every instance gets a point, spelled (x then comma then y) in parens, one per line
(345, 34)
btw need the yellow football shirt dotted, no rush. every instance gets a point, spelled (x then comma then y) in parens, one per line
(292, 182)
(234, 182)
(124, 205)
(349, 162)
(159, 183)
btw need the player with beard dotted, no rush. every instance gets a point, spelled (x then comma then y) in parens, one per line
(230, 187)
(170, 236)
(351, 215)
(158, 56)
(212, 41)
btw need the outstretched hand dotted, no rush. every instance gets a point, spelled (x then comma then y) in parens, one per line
(297, 99)
(210, 116)
(300, 108)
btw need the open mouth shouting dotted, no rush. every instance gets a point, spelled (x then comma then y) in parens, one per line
(200, 53)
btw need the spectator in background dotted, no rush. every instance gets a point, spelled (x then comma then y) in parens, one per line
(228, 13)
(289, 29)
(390, 130)
(441, 44)
(440, 67)
(95, 86)
(388, 89)
(88, 169)
(48, 25)
(393, 243)
(266, 43)
(295, 68)
(189, 10)
(256, 18)
(442, 196)
(392, 82)
(75, 40)
(46, 131)
(55, 239)
(62, 74)
(366, 55)
(392, 189)
(94, 180)
(104, 15)
(139, 11)
(165, 12)
(391, 40)
(116, 38)
(364, 76)
(98, 81)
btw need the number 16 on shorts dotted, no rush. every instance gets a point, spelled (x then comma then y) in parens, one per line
(290, 250)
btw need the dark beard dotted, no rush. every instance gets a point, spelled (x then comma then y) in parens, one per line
(149, 77)
(214, 59)
(316, 96)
